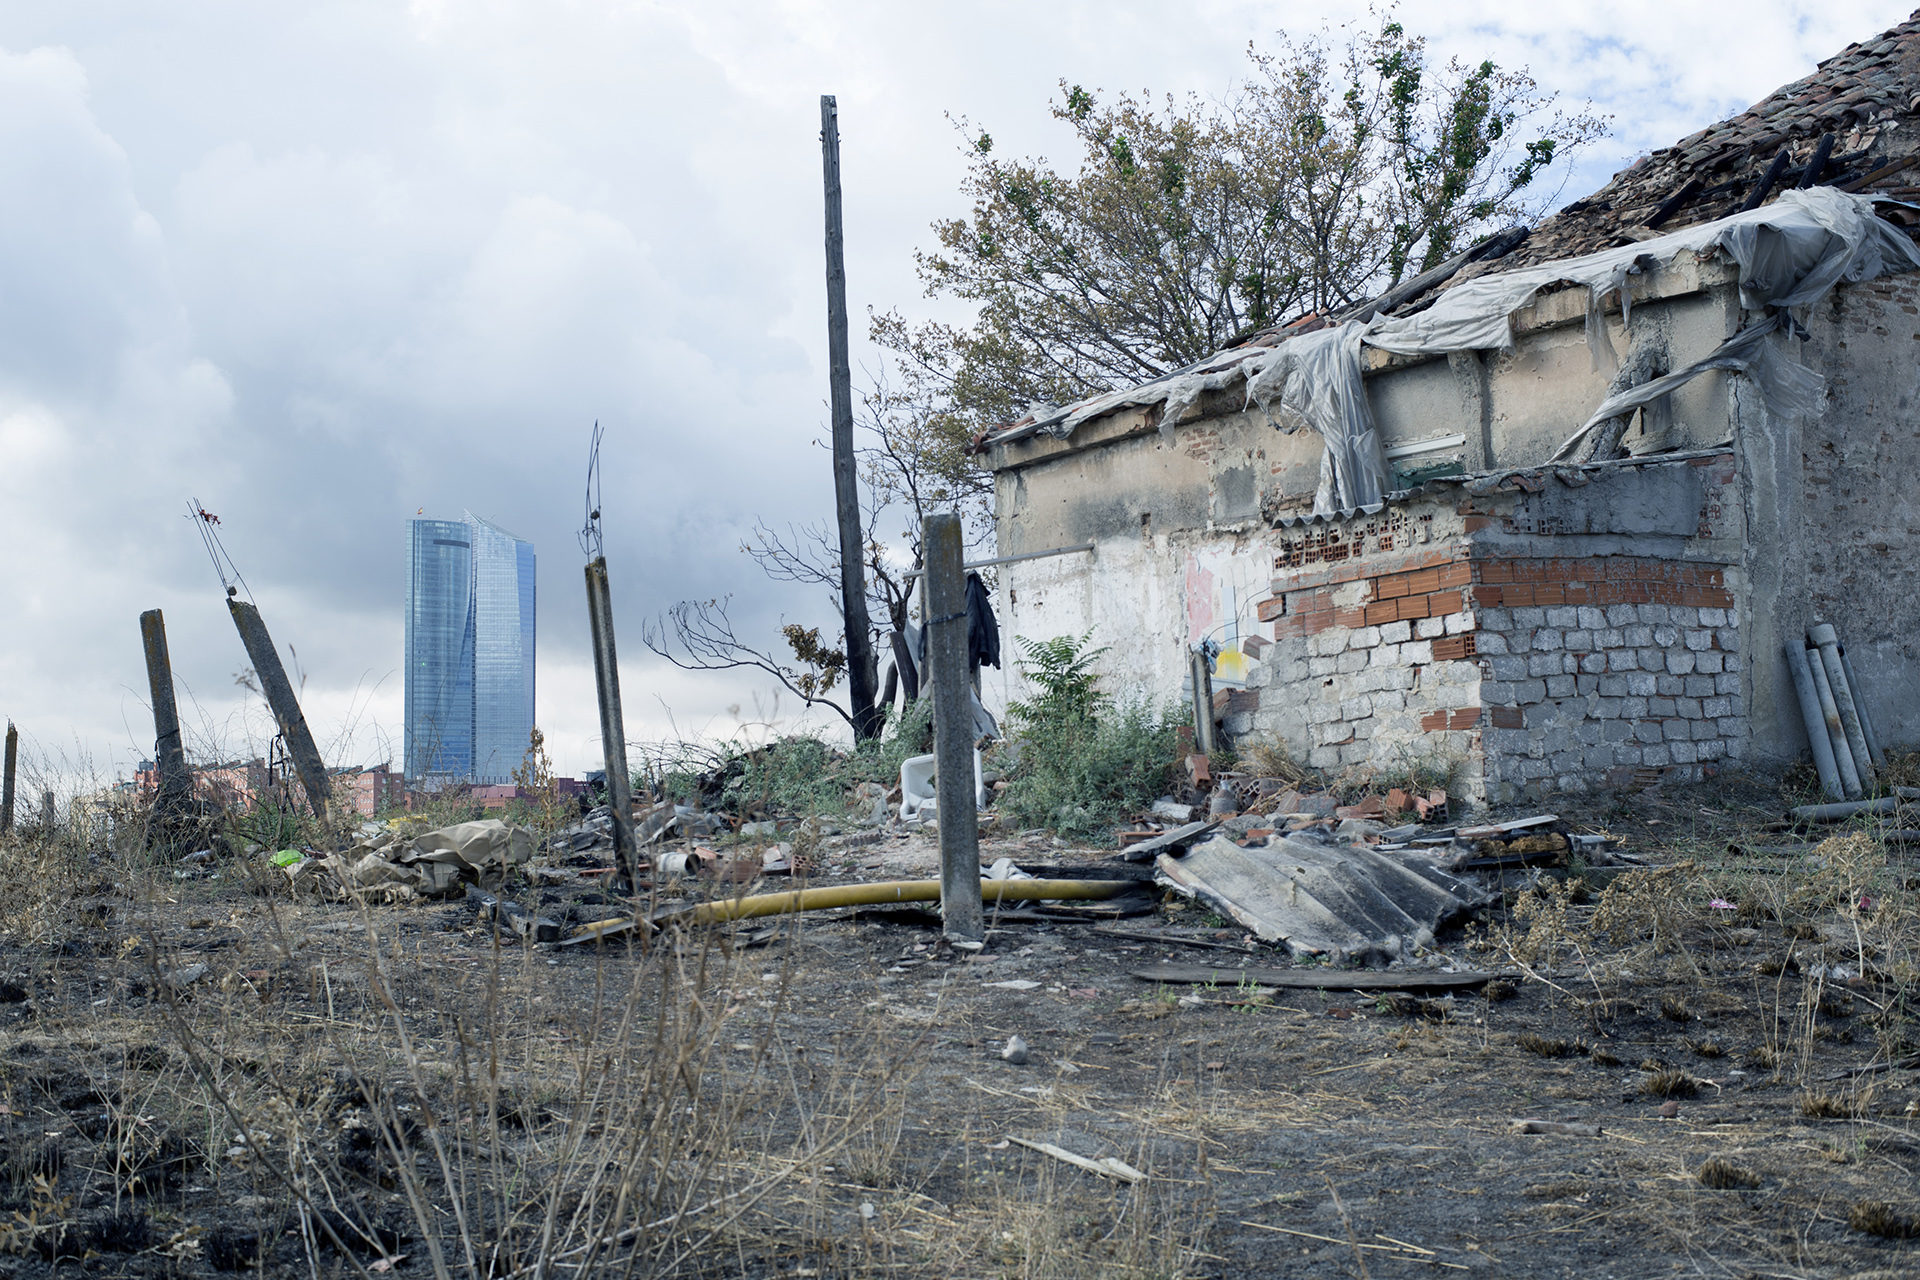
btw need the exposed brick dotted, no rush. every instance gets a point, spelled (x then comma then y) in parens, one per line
(1508, 718)
(1392, 586)
(1454, 648)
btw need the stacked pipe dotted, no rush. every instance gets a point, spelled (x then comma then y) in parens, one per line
(1846, 749)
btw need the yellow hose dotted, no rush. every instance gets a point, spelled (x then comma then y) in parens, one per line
(872, 895)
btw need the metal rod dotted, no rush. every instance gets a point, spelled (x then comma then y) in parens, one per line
(961, 914)
(1814, 721)
(175, 792)
(286, 707)
(6, 779)
(971, 565)
(1828, 640)
(613, 729)
(1836, 734)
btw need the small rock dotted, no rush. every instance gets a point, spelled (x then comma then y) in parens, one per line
(1016, 1051)
(181, 979)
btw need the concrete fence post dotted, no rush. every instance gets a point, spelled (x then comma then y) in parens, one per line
(169, 754)
(961, 912)
(286, 707)
(6, 779)
(613, 729)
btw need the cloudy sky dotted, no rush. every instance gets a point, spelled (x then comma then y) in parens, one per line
(323, 264)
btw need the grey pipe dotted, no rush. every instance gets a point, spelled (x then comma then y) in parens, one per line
(1841, 812)
(1836, 735)
(1824, 636)
(1874, 748)
(1816, 724)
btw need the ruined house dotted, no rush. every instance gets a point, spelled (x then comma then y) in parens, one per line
(1546, 517)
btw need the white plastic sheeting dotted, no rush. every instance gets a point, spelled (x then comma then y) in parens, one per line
(1790, 254)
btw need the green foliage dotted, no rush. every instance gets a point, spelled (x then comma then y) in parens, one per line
(1084, 762)
(1336, 167)
(1062, 670)
(799, 774)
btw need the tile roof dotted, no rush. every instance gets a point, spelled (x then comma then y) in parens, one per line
(1858, 114)
(1862, 105)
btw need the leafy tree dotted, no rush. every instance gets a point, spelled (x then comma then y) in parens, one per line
(1329, 174)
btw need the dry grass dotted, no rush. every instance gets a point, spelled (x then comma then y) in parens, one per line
(1719, 1174)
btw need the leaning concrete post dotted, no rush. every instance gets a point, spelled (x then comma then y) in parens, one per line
(613, 728)
(286, 707)
(6, 779)
(960, 897)
(1827, 641)
(1203, 729)
(169, 756)
(1818, 739)
(1836, 734)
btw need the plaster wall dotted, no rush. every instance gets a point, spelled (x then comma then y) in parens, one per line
(1836, 513)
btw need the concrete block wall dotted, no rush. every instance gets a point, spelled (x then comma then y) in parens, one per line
(1372, 662)
(1599, 667)
(1515, 634)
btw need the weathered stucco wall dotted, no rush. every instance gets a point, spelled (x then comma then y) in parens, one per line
(1572, 633)
(1836, 513)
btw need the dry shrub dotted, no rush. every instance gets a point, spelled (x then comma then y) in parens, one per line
(1546, 911)
(1879, 1218)
(1720, 1174)
(1670, 1082)
(1817, 1104)
(1646, 906)
(1527, 1042)
(1268, 758)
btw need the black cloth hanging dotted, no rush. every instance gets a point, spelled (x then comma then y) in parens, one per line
(983, 629)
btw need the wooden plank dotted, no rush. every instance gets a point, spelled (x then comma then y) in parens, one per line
(1105, 1166)
(1319, 979)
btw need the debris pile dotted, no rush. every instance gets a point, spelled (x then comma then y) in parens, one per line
(435, 864)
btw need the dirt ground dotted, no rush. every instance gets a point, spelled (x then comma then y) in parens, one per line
(354, 1089)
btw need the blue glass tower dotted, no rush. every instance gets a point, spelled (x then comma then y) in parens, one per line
(470, 650)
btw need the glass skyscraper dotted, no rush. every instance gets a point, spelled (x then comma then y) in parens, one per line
(470, 645)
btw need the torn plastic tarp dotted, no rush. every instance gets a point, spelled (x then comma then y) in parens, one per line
(432, 864)
(1790, 253)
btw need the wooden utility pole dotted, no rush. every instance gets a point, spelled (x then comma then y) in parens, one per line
(961, 914)
(286, 707)
(853, 543)
(613, 730)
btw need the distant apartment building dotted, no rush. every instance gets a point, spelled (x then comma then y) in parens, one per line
(231, 784)
(371, 790)
(470, 649)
